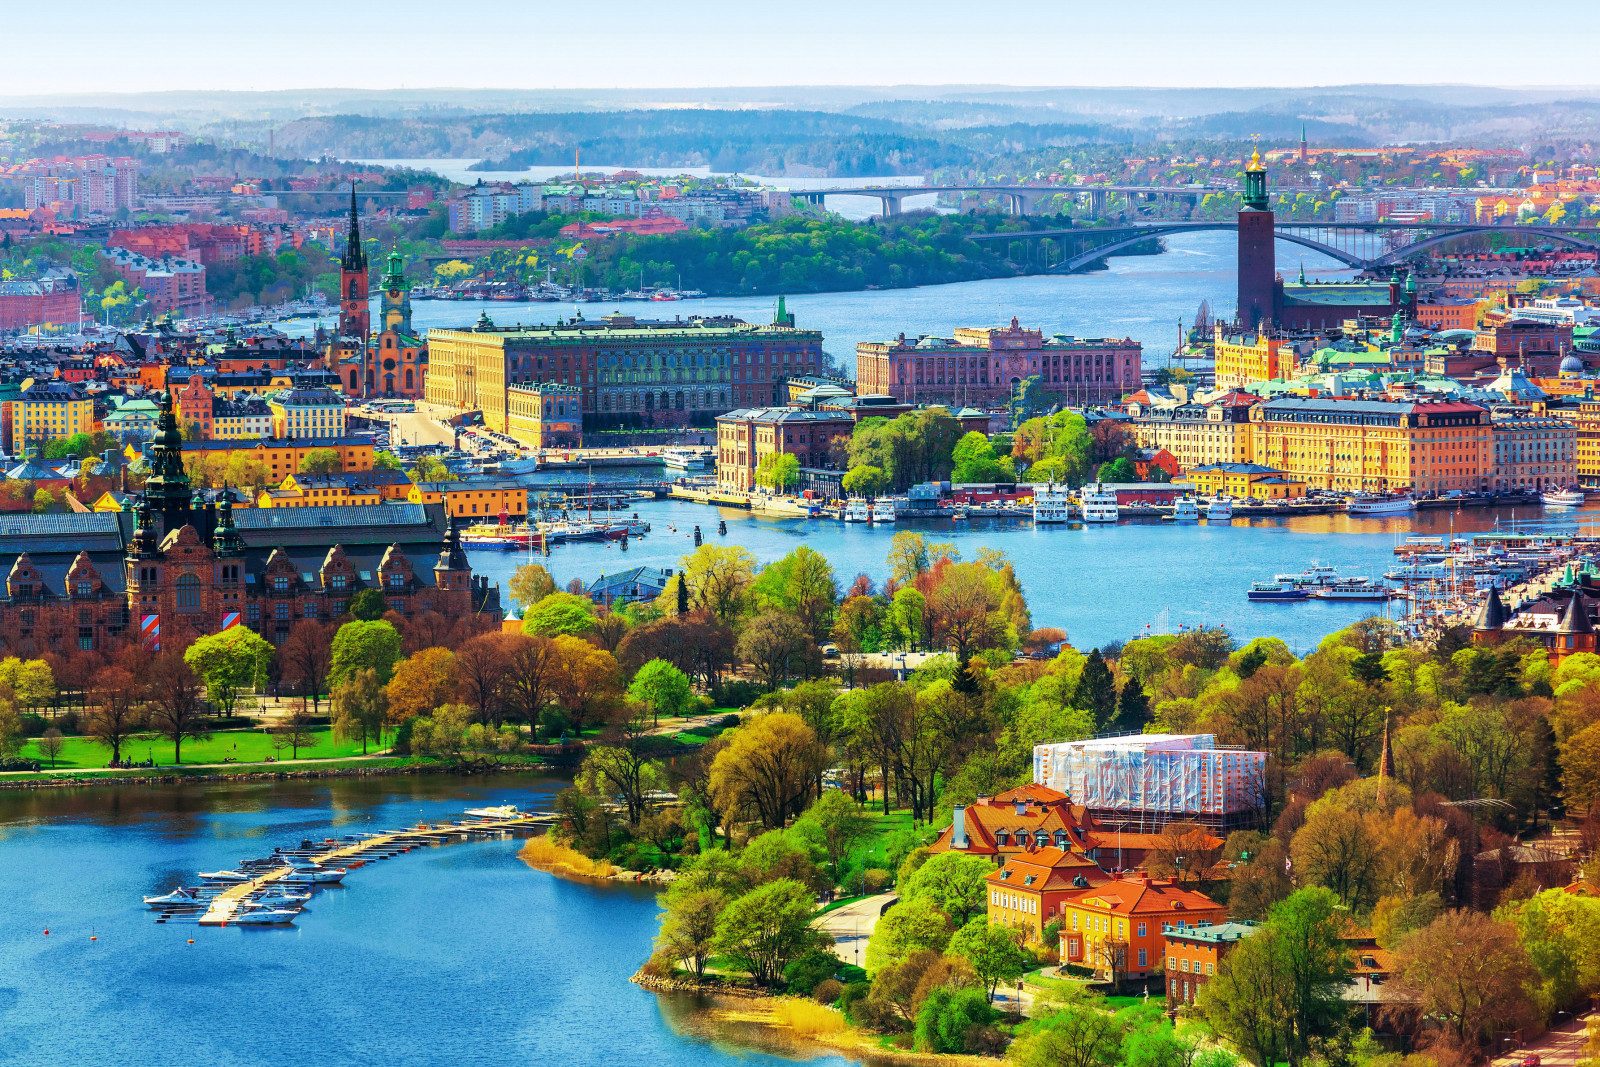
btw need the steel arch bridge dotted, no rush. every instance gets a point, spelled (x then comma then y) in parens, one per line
(1080, 247)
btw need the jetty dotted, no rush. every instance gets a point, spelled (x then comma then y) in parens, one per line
(222, 908)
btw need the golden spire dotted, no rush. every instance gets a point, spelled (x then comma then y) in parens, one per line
(1255, 161)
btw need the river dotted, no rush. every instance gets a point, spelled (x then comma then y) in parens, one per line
(453, 955)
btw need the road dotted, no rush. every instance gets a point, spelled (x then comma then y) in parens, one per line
(1561, 1047)
(851, 926)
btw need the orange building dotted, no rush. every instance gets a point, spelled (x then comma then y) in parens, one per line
(1119, 929)
(196, 404)
(1020, 820)
(1448, 313)
(1195, 952)
(1029, 892)
(474, 500)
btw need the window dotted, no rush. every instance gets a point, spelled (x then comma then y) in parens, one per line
(1141, 929)
(280, 583)
(85, 587)
(1209, 968)
(1183, 965)
(1144, 956)
(280, 612)
(338, 581)
(188, 593)
(395, 579)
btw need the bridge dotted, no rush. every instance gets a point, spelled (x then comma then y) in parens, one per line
(1019, 199)
(1362, 245)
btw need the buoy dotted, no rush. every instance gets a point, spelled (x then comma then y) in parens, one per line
(47, 933)
(94, 938)
(191, 941)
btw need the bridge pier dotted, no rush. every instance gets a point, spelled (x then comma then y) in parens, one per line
(891, 204)
(1018, 203)
(1097, 203)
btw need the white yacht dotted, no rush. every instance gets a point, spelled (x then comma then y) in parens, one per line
(249, 916)
(1050, 503)
(1220, 509)
(1098, 502)
(314, 875)
(857, 510)
(177, 896)
(883, 510)
(1184, 509)
(1379, 504)
(686, 459)
(1570, 497)
(224, 876)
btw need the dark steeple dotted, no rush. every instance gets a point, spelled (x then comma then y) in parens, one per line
(453, 557)
(355, 257)
(167, 488)
(1575, 620)
(225, 539)
(1492, 616)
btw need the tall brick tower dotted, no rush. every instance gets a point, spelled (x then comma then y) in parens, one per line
(1257, 267)
(354, 316)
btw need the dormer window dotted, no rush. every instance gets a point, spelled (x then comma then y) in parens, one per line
(1061, 839)
(1041, 839)
(338, 581)
(85, 587)
(1001, 838)
(280, 583)
(1005, 875)
(23, 590)
(396, 579)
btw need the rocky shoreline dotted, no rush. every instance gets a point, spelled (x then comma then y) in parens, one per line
(657, 984)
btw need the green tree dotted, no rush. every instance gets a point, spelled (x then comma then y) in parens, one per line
(368, 605)
(974, 460)
(762, 931)
(951, 1020)
(689, 928)
(865, 480)
(557, 614)
(661, 687)
(360, 705)
(531, 583)
(430, 469)
(954, 883)
(321, 461)
(1120, 469)
(385, 461)
(994, 951)
(359, 645)
(235, 659)
(1096, 691)
(912, 926)
(837, 824)
(778, 471)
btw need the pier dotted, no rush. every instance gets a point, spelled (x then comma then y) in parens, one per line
(225, 905)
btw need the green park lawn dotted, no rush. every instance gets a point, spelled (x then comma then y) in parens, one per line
(244, 746)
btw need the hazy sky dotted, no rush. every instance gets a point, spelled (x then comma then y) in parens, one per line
(110, 45)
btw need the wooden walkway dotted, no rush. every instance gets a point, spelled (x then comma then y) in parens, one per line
(225, 905)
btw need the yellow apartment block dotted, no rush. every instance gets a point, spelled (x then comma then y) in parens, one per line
(1246, 359)
(1242, 481)
(1196, 434)
(478, 499)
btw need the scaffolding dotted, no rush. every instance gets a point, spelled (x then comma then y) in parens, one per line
(1153, 779)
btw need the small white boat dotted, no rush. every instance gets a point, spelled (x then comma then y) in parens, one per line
(686, 459)
(1050, 503)
(1184, 509)
(883, 510)
(224, 876)
(275, 897)
(1379, 504)
(1570, 497)
(263, 916)
(1220, 509)
(504, 811)
(1098, 503)
(177, 896)
(857, 511)
(314, 875)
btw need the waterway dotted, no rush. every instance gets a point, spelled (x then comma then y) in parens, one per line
(1100, 583)
(452, 955)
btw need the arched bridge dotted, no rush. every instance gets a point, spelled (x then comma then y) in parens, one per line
(1019, 199)
(1362, 245)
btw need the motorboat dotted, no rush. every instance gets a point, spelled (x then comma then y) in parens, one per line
(249, 916)
(883, 510)
(274, 895)
(1184, 509)
(856, 510)
(314, 875)
(1380, 504)
(504, 811)
(1569, 497)
(224, 876)
(1316, 575)
(1098, 502)
(1220, 509)
(1050, 503)
(686, 459)
(1277, 590)
(177, 896)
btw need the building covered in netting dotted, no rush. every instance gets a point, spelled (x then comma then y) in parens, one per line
(1144, 781)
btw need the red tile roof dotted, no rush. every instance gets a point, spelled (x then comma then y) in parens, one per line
(1130, 896)
(1052, 869)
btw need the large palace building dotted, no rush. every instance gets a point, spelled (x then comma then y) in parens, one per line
(983, 366)
(175, 568)
(630, 373)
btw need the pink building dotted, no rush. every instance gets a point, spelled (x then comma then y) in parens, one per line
(170, 284)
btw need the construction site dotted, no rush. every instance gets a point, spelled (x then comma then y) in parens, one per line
(1141, 782)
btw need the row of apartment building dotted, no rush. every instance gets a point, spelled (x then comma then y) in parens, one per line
(484, 206)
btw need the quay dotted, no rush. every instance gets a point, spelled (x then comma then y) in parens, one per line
(225, 905)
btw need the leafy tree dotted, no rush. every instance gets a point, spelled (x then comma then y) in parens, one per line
(368, 605)
(774, 643)
(994, 951)
(661, 687)
(296, 731)
(385, 461)
(363, 645)
(422, 683)
(865, 480)
(908, 927)
(778, 471)
(442, 734)
(720, 577)
(321, 461)
(766, 769)
(952, 1020)
(975, 460)
(838, 824)
(1309, 926)
(558, 614)
(531, 583)
(1336, 848)
(762, 931)
(229, 661)
(689, 928)
(430, 469)
(628, 771)
(584, 680)
(482, 675)
(1120, 469)
(360, 706)
(1074, 1031)
(954, 883)
(1469, 972)
(803, 583)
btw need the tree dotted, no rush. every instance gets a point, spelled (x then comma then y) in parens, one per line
(385, 461)
(296, 730)
(422, 683)
(909, 927)
(778, 471)
(954, 883)
(803, 583)
(1183, 850)
(1247, 999)
(175, 709)
(1078, 1033)
(1580, 768)
(661, 687)
(865, 480)
(1309, 926)
(442, 734)
(306, 657)
(321, 461)
(584, 680)
(1336, 849)
(430, 469)
(531, 583)
(954, 1020)
(688, 930)
(838, 824)
(766, 928)
(1096, 691)
(719, 576)
(482, 664)
(50, 744)
(235, 659)
(557, 614)
(626, 767)
(360, 706)
(766, 768)
(965, 607)
(368, 605)
(115, 715)
(1469, 972)
(1118, 470)
(975, 460)
(772, 642)
(530, 666)
(908, 556)
(364, 645)
(993, 950)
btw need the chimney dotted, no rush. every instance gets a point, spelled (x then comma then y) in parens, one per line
(1022, 807)
(958, 828)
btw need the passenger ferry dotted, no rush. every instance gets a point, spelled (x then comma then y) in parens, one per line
(857, 510)
(686, 459)
(1098, 502)
(883, 510)
(1380, 504)
(1220, 509)
(1277, 589)
(1353, 589)
(1570, 497)
(1050, 503)
(1184, 509)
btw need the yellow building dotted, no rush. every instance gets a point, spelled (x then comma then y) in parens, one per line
(1587, 421)
(1375, 445)
(354, 489)
(475, 499)
(239, 420)
(1241, 481)
(278, 457)
(1196, 434)
(49, 409)
(545, 415)
(307, 412)
(1251, 358)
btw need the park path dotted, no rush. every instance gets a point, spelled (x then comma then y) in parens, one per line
(851, 925)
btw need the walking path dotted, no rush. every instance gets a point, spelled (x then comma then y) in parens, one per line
(851, 925)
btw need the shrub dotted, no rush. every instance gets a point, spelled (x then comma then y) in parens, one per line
(803, 975)
(854, 993)
(70, 723)
(827, 991)
(17, 763)
(806, 1017)
(953, 1020)
(33, 724)
(402, 735)
(736, 692)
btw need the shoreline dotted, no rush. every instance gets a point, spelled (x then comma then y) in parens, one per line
(179, 778)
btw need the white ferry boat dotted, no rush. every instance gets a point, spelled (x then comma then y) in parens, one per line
(1184, 509)
(1098, 502)
(1570, 497)
(1220, 509)
(883, 510)
(856, 510)
(1379, 504)
(686, 459)
(1352, 589)
(1050, 503)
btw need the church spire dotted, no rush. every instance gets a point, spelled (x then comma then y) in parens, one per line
(355, 257)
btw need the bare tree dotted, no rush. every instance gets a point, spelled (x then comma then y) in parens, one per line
(116, 714)
(305, 659)
(174, 702)
(482, 666)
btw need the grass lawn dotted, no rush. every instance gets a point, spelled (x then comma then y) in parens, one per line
(874, 851)
(186, 770)
(245, 746)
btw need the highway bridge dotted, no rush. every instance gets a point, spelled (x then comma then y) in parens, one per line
(1019, 199)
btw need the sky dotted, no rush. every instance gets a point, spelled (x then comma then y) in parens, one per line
(112, 45)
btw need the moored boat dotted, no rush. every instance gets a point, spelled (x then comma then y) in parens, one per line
(857, 510)
(249, 916)
(224, 876)
(1220, 509)
(315, 874)
(883, 510)
(1050, 503)
(1353, 589)
(1184, 509)
(1379, 504)
(177, 896)
(1569, 497)
(1098, 502)
(1276, 590)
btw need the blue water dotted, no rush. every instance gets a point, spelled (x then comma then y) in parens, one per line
(459, 954)
(1099, 583)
